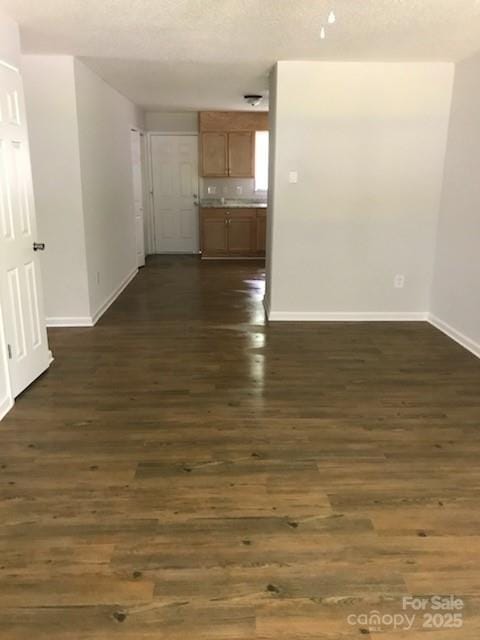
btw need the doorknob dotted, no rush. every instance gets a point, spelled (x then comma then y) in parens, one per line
(39, 246)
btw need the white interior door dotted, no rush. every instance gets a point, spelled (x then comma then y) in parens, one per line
(20, 282)
(174, 167)
(138, 196)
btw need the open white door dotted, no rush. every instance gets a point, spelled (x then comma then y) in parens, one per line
(138, 195)
(20, 283)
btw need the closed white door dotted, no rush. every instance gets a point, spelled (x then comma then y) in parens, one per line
(174, 166)
(138, 209)
(20, 282)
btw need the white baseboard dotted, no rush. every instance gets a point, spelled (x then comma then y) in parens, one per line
(85, 321)
(462, 339)
(407, 316)
(344, 316)
(113, 296)
(91, 321)
(5, 405)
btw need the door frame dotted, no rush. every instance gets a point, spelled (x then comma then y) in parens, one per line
(150, 209)
(136, 131)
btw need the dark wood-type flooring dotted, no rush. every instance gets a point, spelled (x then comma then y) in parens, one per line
(185, 471)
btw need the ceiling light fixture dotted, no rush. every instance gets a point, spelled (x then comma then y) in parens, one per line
(253, 99)
(332, 18)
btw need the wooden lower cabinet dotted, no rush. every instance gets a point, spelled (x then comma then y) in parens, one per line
(213, 232)
(241, 231)
(261, 231)
(232, 232)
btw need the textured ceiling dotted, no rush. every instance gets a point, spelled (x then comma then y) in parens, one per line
(199, 54)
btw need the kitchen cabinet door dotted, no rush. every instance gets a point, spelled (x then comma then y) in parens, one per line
(214, 229)
(214, 154)
(242, 224)
(261, 231)
(241, 154)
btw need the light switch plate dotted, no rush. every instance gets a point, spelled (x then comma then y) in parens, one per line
(293, 177)
(211, 190)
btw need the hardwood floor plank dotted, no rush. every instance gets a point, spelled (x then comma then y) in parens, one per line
(187, 470)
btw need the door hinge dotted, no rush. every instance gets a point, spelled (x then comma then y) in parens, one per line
(9, 349)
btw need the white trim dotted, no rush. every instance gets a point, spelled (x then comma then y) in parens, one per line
(91, 321)
(461, 338)
(9, 66)
(5, 405)
(113, 296)
(85, 321)
(346, 316)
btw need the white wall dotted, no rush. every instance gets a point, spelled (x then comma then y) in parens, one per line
(105, 118)
(82, 171)
(9, 54)
(9, 41)
(368, 142)
(54, 145)
(455, 297)
(272, 163)
(181, 122)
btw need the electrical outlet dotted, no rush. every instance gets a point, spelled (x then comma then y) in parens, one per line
(399, 281)
(239, 190)
(211, 190)
(293, 177)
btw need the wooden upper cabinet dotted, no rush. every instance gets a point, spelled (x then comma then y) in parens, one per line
(227, 142)
(233, 121)
(214, 147)
(241, 154)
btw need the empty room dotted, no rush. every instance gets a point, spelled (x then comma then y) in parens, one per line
(239, 320)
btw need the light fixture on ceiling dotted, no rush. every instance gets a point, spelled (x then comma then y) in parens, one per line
(253, 99)
(323, 33)
(332, 18)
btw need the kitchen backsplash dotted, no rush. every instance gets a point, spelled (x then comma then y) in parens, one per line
(231, 188)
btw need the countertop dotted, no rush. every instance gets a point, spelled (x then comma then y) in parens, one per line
(216, 203)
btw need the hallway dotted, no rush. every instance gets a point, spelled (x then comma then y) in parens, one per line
(186, 471)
